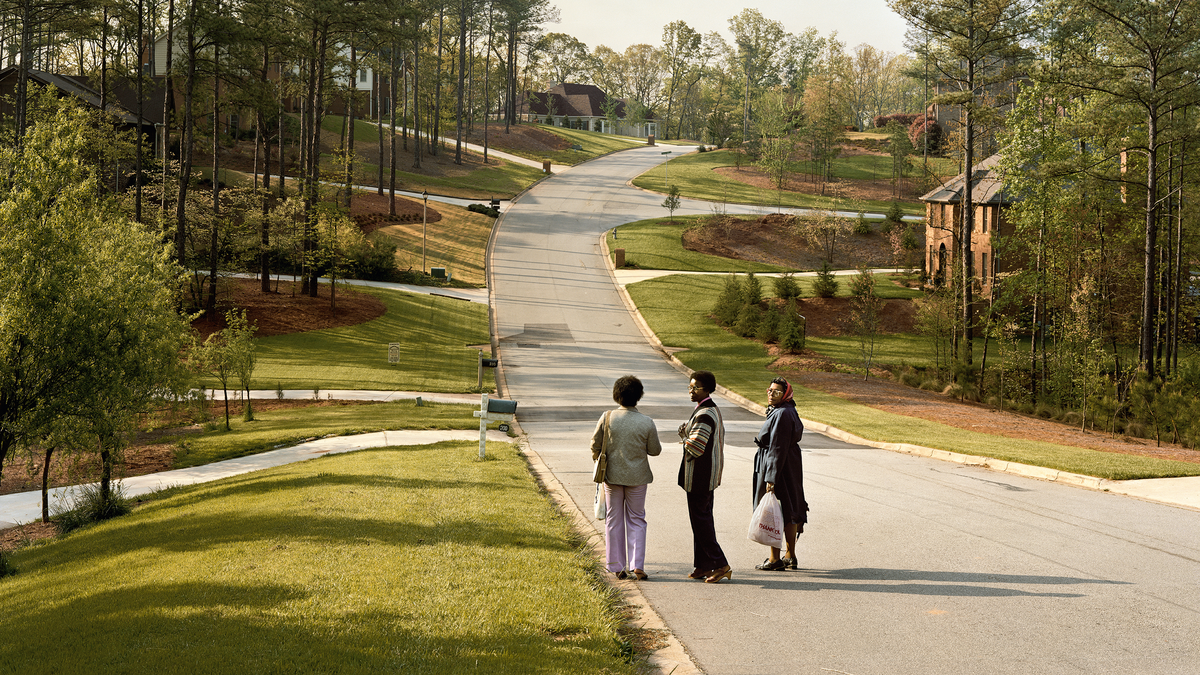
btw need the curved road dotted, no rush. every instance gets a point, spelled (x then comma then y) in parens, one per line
(909, 566)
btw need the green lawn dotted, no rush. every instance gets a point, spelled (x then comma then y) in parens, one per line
(396, 560)
(696, 177)
(502, 180)
(457, 242)
(657, 244)
(433, 333)
(593, 144)
(677, 307)
(289, 426)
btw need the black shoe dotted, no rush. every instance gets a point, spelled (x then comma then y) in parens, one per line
(777, 566)
(622, 575)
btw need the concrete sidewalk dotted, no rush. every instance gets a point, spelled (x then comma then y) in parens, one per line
(23, 507)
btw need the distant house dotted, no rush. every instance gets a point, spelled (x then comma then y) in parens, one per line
(581, 106)
(943, 217)
(121, 102)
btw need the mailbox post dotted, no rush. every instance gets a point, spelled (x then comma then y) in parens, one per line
(485, 363)
(492, 410)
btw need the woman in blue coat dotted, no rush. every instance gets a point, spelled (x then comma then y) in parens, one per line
(778, 468)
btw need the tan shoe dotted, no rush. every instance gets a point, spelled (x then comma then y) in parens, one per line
(717, 575)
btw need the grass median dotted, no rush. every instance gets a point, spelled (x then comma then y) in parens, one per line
(406, 559)
(696, 176)
(657, 244)
(677, 309)
(433, 332)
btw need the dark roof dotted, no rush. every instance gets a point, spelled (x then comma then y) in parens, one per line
(986, 186)
(122, 101)
(571, 100)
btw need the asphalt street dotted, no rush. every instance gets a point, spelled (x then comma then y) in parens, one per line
(909, 564)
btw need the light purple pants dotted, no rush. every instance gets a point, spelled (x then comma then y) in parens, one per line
(625, 527)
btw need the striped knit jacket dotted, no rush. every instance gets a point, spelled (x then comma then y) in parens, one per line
(703, 448)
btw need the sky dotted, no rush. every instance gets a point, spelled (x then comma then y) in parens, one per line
(620, 23)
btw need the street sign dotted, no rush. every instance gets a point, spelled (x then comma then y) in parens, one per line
(394, 352)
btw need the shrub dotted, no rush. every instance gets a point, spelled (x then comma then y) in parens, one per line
(861, 226)
(791, 332)
(1073, 418)
(89, 506)
(886, 227)
(922, 127)
(729, 303)
(909, 241)
(752, 290)
(484, 209)
(747, 320)
(931, 385)
(895, 213)
(910, 377)
(701, 148)
(1044, 410)
(785, 286)
(6, 568)
(905, 119)
(825, 285)
(768, 325)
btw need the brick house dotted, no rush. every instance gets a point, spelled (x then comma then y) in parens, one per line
(943, 217)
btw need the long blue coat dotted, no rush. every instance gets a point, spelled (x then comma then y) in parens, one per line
(778, 461)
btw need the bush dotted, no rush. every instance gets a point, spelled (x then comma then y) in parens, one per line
(729, 303)
(791, 333)
(931, 385)
(747, 320)
(861, 226)
(905, 119)
(909, 241)
(484, 209)
(886, 227)
(6, 568)
(785, 286)
(702, 149)
(895, 213)
(922, 127)
(768, 325)
(825, 285)
(910, 378)
(374, 260)
(752, 290)
(89, 506)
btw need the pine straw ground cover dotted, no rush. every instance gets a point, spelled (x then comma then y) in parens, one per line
(405, 559)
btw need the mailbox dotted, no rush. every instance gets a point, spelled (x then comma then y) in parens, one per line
(502, 406)
(495, 203)
(489, 363)
(438, 273)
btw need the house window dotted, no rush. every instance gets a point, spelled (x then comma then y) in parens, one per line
(362, 75)
(984, 271)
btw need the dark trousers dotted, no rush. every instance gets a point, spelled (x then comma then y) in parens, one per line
(706, 552)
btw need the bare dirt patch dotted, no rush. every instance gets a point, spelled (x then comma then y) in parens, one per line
(773, 239)
(284, 310)
(858, 190)
(526, 138)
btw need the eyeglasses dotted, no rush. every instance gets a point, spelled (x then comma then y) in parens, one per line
(695, 388)
(771, 390)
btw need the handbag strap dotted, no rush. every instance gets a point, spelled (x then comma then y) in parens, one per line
(604, 438)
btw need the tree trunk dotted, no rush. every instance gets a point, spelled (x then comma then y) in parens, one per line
(46, 486)
(349, 147)
(185, 159)
(462, 67)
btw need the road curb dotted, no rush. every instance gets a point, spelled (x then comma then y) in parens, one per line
(673, 659)
(998, 465)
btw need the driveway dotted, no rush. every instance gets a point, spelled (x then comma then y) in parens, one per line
(910, 565)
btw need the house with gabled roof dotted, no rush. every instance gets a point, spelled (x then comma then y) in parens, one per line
(581, 106)
(943, 218)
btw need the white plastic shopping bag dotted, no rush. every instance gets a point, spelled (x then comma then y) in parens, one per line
(599, 504)
(766, 526)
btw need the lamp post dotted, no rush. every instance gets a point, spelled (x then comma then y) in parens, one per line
(424, 224)
(666, 179)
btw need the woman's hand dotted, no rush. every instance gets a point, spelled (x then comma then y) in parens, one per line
(770, 487)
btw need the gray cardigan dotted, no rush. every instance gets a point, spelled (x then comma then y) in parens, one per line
(633, 437)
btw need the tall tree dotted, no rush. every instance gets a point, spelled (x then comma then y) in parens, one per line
(976, 50)
(1142, 56)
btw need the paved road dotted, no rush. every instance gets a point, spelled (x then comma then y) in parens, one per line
(910, 565)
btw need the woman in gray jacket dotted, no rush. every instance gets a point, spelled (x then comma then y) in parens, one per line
(632, 438)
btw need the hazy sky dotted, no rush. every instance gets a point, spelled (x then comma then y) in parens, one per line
(620, 23)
